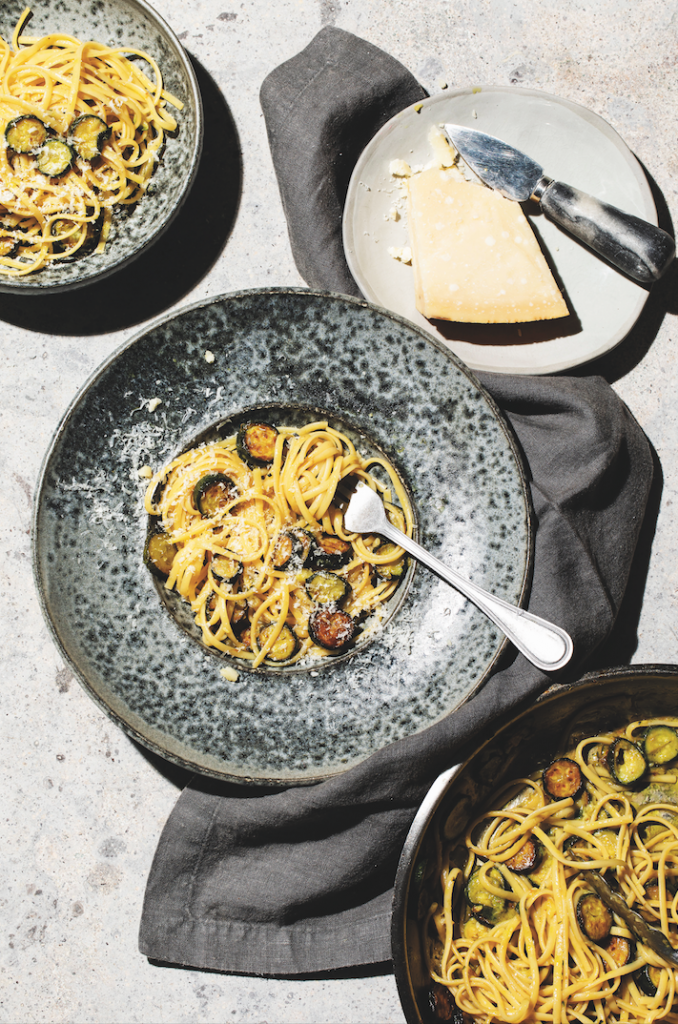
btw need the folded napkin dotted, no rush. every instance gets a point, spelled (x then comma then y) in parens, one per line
(300, 880)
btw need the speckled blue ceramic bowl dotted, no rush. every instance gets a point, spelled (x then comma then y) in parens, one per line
(132, 23)
(300, 354)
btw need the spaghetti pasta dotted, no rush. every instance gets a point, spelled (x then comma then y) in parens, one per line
(249, 531)
(523, 947)
(82, 130)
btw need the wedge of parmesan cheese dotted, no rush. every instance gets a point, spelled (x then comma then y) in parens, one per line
(475, 256)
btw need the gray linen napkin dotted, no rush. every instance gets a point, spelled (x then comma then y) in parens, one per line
(321, 109)
(299, 881)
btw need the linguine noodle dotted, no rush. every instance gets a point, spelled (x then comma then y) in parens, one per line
(298, 494)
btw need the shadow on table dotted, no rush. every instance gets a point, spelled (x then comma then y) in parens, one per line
(174, 264)
(663, 299)
(174, 773)
(359, 971)
(622, 642)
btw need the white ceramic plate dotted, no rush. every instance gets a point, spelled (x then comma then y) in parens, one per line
(573, 145)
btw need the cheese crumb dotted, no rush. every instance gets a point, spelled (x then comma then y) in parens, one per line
(392, 214)
(444, 154)
(230, 674)
(154, 403)
(209, 356)
(400, 168)
(145, 472)
(403, 255)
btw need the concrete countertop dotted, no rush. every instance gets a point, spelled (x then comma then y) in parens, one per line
(83, 806)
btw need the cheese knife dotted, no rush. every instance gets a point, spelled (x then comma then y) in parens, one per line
(638, 248)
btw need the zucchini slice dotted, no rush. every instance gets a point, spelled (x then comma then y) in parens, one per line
(327, 588)
(244, 634)
(212, 493)
(598, 755)
(647, 979)
(660, 744)
(620, 949)
(26, 134)
(54, 158)
(441, 1005)
(255, 443)
(607, 837)
(238, 615)
(210, 608)
(527, 858)
(159, 554)
(595, 919)
(8, 247)
(651, 889)
(291, 549)
(652, 829)
(563, 778)
(70, 233)
(87, 136)
(329, 552)
(391, 570)
(486, 906)
(284, 646)
(331, 628)
(627, 762)
(225, 568)
(576, 849)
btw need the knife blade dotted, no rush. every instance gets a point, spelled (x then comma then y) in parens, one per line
(641, 250)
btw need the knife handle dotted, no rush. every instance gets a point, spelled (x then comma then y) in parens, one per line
(640, 249)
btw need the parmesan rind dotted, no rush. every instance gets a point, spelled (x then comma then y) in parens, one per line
(475, 257)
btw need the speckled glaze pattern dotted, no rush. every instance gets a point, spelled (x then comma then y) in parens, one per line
(368, 370)
(132, 23)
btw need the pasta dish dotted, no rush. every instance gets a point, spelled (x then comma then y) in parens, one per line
(249, 531)
(82, 128)
(532, 941)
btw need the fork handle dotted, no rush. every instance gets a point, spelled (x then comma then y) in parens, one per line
(547, 646)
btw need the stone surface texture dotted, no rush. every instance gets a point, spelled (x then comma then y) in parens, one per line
(82, 805)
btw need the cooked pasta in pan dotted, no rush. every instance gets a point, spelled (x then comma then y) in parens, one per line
(249, 530)
(515, 932)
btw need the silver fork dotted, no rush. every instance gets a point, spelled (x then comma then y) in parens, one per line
(547, 646)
